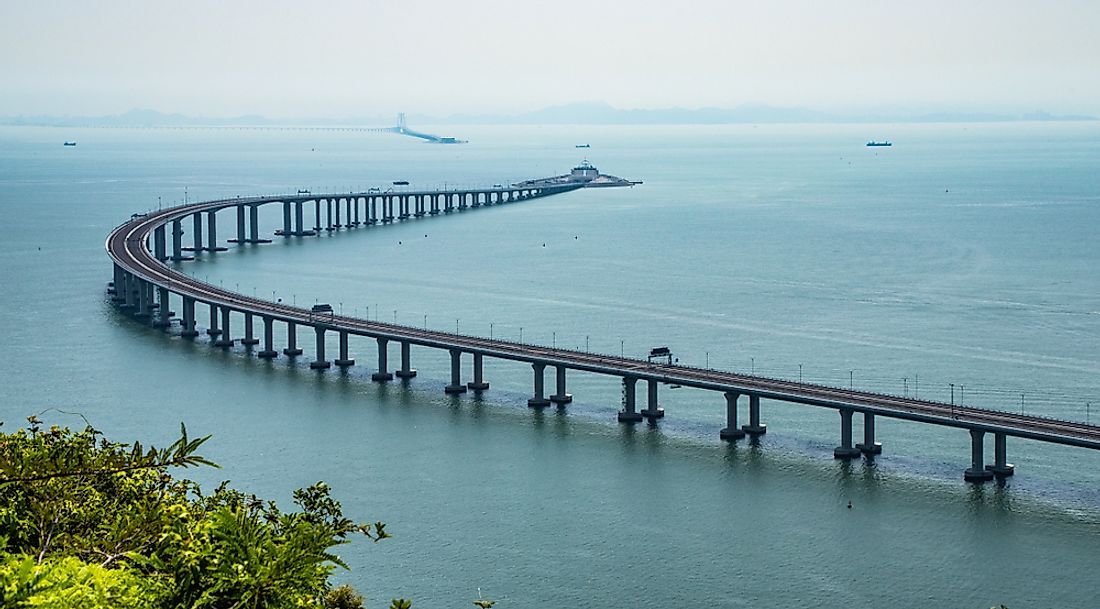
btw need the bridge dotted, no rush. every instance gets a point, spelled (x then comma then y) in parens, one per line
(145, 285)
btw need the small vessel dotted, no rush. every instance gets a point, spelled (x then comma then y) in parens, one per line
(70, 143)
(400, 182)
(583, 146)
(874, 143)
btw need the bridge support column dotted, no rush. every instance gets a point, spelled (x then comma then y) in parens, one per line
(977, 471)
(372, 211)
(144, 299)
(456, 385)
(845, 450)
(124, 291)
(249, 337)
(288, 228)
(164, 312)
(754, 428)
(478, 383)
(242, 236)
(117, 285)
(300, 221)
(196, 233)
(629, 414)
(254, 225)
(328, 215)
(212, 329)
(212, 232)
(159, 245)
(320, 363)
(344, 360)
(292, 347)
(317, 216)
(1001, 467)
(336, 203)
(188, 318)
(268, 351)
(539, 400)
(226, 339)
(406, 371)
(355, 206)
(731, 431)
(652, 410)
(868, 446)
(383, 373)
(177, 242)
(561, 398)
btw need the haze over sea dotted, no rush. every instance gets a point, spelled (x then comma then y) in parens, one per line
(964, 254)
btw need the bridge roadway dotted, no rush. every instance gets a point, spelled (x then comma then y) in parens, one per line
(140, 272)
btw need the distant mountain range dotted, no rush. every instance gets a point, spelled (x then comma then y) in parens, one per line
(581, 113)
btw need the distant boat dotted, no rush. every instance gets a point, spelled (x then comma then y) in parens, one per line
(583, 146)
(400, 182)
(874, 143)
(70, 143)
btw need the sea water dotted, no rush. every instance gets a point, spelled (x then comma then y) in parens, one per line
(962, 256)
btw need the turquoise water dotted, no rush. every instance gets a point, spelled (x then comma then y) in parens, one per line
(964, 255)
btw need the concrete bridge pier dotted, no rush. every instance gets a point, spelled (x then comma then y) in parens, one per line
(434, 205)
(406, 371)
(629, 414)
(387, 209)
(344, 360)
(249, 337)
(328, 216)
(539, 400)
(977, 471)
(226, 339)
(196, 232)
(242, 234)
(164, 312)
(731, 431)
(1001, 467)
(754, 428)
(127, 295)
(320, 363)
(254, 225)
(477, 199)
(456, 385)
(159, 245)
(404, 207)
(383, 373)
(292, 347)
(448, 203)
(144, 299)
(462, 201)
(317, 216)
(212, 329)
(868, 446)
(177, 242)
(188, 318)
(652, 410)
(561, 398)
(268, 351)
(336, 203)
(117, 289)
(845, 450)
(300, 221)
(419, 206)
(212, 232)
(353, 205)
(288, 228)
(372, 218)
(479, 383)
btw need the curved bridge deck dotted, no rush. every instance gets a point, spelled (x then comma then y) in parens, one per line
(144, 284)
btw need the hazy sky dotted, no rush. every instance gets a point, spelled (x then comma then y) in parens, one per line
(347, 58)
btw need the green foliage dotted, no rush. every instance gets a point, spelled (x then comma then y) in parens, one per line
(64, 583)
(85, 522)
(400, 603)
(343, 597)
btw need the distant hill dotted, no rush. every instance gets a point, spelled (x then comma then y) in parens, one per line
(580, 113)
